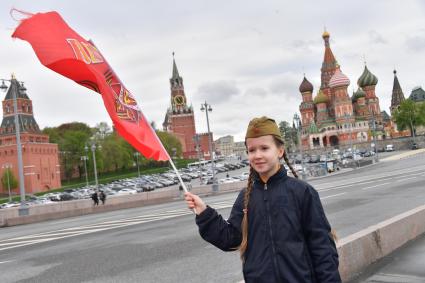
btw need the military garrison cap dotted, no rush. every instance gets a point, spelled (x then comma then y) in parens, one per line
(262, 127)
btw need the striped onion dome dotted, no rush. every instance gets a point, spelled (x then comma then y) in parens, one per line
(339, 79)
(367, 78)
(320, 98)
(306, 86)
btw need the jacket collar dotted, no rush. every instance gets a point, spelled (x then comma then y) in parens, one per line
(280, 174)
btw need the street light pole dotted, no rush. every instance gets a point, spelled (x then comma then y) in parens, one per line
(137, 154)
(375, 141)
(15, 87)
(85, 158)
(351, 131)
(7, 166)
(93, 149)
(207, 107)
(297, 121)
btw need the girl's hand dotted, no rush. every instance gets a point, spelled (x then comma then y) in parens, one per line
(195, 202)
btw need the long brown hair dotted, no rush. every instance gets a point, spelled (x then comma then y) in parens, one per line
(244, 225)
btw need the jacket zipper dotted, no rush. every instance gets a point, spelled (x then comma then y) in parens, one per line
(276, 266)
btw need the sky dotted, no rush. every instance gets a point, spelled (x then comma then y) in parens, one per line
(244, 58)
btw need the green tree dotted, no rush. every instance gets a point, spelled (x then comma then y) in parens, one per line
(289, 135)
(409, 115)
(8, 179)
(71, 139)
(116, 153)
(170, 142)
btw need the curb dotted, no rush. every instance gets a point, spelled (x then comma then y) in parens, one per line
(361, 249)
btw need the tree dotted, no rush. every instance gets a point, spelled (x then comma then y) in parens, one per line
(71, 139)
(289, 135)
(8, 176)
(116, 153)
(170, 141)
(409, 115)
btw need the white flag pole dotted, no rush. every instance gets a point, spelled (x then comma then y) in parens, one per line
(180, 178)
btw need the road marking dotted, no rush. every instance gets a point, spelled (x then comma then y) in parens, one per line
(399, 180)
(371, 187)
(6, 261)
(331, 196)
(97, 227)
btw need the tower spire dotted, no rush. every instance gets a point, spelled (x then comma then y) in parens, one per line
(397, 96)
(175, 70)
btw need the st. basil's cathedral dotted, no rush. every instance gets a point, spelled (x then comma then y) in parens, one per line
(333, 118)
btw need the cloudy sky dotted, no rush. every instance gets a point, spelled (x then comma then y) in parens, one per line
(245, 58)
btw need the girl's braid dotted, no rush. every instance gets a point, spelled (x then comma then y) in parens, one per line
(244, 226)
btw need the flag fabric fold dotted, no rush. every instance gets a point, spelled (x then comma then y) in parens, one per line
(64, 51)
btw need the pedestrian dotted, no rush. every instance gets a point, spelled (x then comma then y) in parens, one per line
(95, 198)
(102, 197)
(227, 175)
(180, 190)
(277, 223)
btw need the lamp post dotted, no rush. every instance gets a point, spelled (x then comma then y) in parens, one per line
(297, 122)
(8, 166)
(347, 117)
(375, 141)
(85, 158)
(93, 148)
(207, 108)
(16, 86)
(137, 154)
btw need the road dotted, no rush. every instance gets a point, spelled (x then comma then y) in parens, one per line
(161, 244)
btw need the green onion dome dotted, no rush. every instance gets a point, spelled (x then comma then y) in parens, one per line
(367, 78)
(359, 93)
(320, 98)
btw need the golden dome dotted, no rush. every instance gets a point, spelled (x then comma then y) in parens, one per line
(325, 34)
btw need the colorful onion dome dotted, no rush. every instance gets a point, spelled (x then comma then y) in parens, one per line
(358, 94)
(306, 86)
(367, 78)
(320, 98)
(325, 34)
(339, 79)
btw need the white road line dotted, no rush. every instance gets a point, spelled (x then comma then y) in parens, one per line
(6, 261)
(331, 196)
(371, 187)
(399, 180)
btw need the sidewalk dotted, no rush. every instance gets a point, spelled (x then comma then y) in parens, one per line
(404, 265)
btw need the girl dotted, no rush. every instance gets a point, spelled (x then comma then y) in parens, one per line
(277, 223)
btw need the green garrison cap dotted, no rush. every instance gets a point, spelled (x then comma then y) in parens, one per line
(262, 127)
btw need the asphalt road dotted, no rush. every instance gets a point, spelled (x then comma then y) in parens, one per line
(161, 244)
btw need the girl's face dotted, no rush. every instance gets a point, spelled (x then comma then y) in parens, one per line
(264, 155)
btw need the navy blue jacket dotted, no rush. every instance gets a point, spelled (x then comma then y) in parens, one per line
(288, 233)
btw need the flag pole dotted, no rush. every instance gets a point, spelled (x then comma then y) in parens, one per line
(180, 179)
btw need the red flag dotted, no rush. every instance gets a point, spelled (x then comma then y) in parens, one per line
(64, 51)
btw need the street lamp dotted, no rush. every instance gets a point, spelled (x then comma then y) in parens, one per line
(16, 86)
(93, 148)
(375, 141)
(297, 122)
(137, 154)
(8, 166)
(347, 117)
(207, 108)
(85, 158)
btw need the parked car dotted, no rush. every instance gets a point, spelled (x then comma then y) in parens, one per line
(127, 192)
(389, 147)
